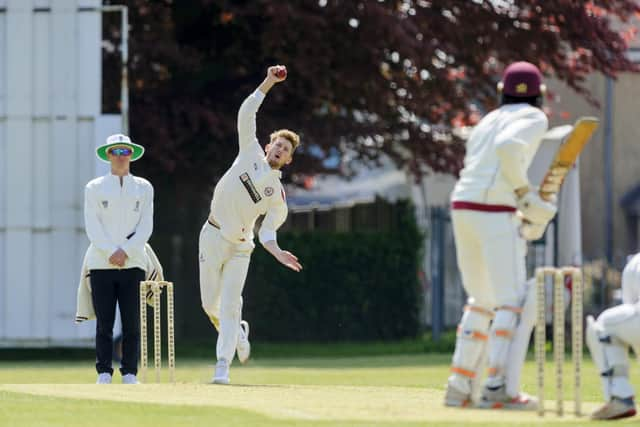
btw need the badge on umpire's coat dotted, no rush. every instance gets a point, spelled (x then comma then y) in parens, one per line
(268, 191)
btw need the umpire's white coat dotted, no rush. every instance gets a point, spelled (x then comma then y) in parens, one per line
(84, 304)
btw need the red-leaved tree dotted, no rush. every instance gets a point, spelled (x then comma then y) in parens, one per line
(365, 76)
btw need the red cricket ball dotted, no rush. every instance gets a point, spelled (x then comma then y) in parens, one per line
(281, 73)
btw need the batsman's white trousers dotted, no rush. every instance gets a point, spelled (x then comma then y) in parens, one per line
(223, 271)
(491, 257)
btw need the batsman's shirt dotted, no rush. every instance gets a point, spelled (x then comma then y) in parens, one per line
(250, 188)
(118, 216)
(482, 179)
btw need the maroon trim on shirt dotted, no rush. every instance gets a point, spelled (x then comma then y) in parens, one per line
(481, 207)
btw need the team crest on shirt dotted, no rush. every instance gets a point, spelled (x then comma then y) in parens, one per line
(268, 191)
(105, 204)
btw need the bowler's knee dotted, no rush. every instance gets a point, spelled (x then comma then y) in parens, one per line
(230, 308)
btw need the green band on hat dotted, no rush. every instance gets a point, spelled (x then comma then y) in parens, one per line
(137, 150)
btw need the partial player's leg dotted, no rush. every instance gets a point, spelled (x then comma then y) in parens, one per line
(608, 340)
(234, 274)
(474, 326)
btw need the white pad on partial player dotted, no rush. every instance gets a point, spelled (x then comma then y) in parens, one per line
(536, 210)
(470, 347)
(609, 352)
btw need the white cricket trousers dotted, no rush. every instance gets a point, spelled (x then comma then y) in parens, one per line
(223, 271)
(491, 257)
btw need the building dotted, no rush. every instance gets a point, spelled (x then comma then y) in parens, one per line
(50, 120)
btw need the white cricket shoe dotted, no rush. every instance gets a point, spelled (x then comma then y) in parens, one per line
(221, 376)
(615, 409)
(243, 347)
(104, 378)
(129, 379)
(497, 398)
(456, 398)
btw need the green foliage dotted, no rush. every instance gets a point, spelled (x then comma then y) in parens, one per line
(353, 286)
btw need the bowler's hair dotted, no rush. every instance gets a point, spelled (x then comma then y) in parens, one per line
(289, 135)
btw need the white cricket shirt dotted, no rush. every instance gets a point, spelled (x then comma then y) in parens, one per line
(482, 180)
(249, 188)
(111, 213)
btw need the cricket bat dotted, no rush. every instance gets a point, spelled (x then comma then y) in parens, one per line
(566, 156)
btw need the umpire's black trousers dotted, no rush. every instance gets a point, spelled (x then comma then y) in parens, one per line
(107, 288)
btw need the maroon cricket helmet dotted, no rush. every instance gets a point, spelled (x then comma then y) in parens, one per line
(522, 79)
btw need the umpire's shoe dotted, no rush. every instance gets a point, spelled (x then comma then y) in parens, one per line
(616, 408)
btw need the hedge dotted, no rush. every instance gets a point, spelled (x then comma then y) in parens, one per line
(353, 286)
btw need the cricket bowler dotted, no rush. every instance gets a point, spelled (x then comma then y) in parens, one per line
(490, 203)
(609, 338)
(250, 188)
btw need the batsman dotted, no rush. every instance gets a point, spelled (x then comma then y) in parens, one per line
(494, 211)
(251, 187)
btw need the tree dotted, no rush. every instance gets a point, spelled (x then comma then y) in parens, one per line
(367, 77)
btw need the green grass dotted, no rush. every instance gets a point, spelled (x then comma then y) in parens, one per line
(393, 390)
(203, 349)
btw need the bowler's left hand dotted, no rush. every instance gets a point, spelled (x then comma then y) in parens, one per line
(290, 260)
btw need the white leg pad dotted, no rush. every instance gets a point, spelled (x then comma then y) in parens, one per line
(520, 342)
(470, 348)
(500, 339)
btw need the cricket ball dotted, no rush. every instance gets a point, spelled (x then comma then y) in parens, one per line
(281, 73)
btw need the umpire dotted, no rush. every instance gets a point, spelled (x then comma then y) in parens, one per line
(118, 214)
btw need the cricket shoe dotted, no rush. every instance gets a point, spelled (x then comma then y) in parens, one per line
(104, 378)
(497, 398)
(243, 347)
(221, 376)
(614, 409)
(129, 379)
(456, 398)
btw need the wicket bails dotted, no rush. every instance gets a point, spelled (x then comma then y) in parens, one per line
(559, 275)
(155, 288)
